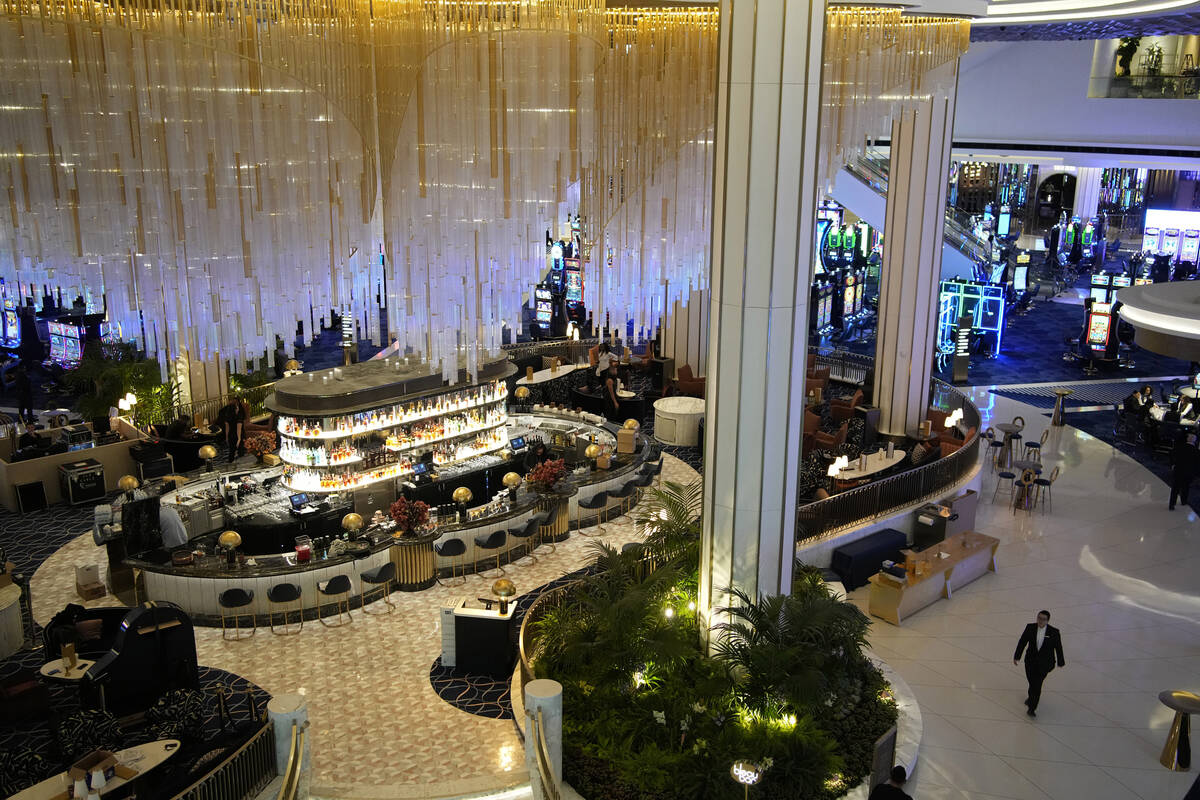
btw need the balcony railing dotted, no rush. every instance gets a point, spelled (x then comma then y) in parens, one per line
(241, 776)
(882, 498)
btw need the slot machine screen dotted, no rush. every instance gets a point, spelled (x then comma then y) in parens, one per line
(72, 349)
(1020, 277)
(1100, 284)
(826, 308)
(1121, 281)
(1142, 281)
(544, 309)
(1098, 325)
(1003, 222)
(822, 230)
(848, 296)
(1150, 240)
(574, 282)
(58, 347)
(858, 294)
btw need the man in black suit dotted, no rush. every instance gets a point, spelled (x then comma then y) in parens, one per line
(1044, 647)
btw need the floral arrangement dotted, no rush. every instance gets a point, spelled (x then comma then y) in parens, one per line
(543, 477)
(409, 514)
(259, 444)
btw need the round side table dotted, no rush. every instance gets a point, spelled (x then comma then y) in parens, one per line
(1177, 752)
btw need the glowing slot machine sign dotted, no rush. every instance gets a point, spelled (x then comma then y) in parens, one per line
(1099, 326)
(12, 324)
(65, 343)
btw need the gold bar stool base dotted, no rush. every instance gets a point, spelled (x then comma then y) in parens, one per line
(1177, 752)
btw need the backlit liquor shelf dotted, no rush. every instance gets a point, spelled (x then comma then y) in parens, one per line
(381, 421)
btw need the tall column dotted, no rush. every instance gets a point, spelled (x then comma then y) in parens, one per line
(912, 260)
(1087, 192)
(764, 207)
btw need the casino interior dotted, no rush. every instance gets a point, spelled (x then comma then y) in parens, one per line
(525, 398)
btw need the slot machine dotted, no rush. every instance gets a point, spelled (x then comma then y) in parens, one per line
(543, 308)
(1021, 277)
(823, 226)
(1102, 330)
(1190, 249)
(573, 274)
(1089, 236)
(11, 324)
(555, 279)
(826, 310)
(859, 287)
(1068, 236)
(1120, 282)
(832, 251)
(849, 244)
(1152, 241)
(1101, 288)
(849, 284)
(1004, 221)
(1170, 243)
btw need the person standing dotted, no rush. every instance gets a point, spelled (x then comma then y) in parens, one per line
(232, 419)
(892, 788)
(612, 405)
(1042, 645)
(1183, 468)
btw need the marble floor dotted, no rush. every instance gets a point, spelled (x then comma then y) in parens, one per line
(1121, 577)
(378, 728)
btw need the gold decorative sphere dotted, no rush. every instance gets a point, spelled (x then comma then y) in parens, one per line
(631, 425)
(522, 393)
(230, 539)
(207, 452)
(462, 495)
(352, 522)
(504, 588)
(291, 365)
(511, 479)
(127, 483)
(593, 451)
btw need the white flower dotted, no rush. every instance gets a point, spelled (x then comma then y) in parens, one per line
(660, 717)
(698, 708)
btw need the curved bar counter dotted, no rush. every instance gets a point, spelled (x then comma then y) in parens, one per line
(263, 510)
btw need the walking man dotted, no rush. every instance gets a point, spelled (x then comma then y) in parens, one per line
(1042, 645)
(1183, 468)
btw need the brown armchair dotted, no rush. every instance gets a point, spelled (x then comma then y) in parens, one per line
(938, 419)
(812, 424)
(844, 409)
(816, 378)
(831, 441)
(950, 436)
(689, 383)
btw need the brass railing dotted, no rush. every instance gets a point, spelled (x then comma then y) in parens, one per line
(884, 497)
(208, 409)
(545, 769)
(295, 763)
(242, 775)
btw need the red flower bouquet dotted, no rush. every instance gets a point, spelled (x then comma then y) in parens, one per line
(543, 477)
(409, 514)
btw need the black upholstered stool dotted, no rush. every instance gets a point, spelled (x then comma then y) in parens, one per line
(492, 541)
(598, 503)
(284, 594)
(337, 589)
(526, 533)
(232, 601)
(453, 549)
(378, 578)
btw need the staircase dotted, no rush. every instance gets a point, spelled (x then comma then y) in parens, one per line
(861, 186)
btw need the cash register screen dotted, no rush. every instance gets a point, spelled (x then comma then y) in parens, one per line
(517, 443)
(420, 468)
(298, 500)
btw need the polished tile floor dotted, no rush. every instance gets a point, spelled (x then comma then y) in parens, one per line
(1121, 577)
(379, 730)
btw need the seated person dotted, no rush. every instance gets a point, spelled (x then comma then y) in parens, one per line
(535, 455)
(29, 438)
(1139, 401)
(923, 452)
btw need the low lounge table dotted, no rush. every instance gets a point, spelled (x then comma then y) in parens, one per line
(143, 758)
(1177, 752)
(677, 420)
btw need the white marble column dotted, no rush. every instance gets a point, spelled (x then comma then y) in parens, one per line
(764, 212)
(544, 696)
(912, 260)
(1087, 192)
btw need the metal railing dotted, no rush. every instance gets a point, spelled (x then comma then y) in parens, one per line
(844, 366)
(545, 768)
(884, 497)
(295, 763)
(526, 642)
(242, 775)
(209, 408)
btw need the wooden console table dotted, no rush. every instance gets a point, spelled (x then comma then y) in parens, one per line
(931, 576)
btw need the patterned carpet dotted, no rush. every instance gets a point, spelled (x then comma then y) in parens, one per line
(1091, 393)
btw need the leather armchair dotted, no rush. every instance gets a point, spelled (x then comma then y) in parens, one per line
(688, 383)
(812, 425)
(844, 409)
(831, 441)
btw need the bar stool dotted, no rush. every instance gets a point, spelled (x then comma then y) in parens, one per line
(994, 447)
(1005, 475)
(598, 502)
(284, 594)
(338, 589)
(379, 578)
(1015, 438)
(544, 520)
(492, 541)
(233, 600)
(526, 532)
(1033, 450)
(654, 471)
(453, 549)
(1044, 488)
(624, 495)
(640, 483)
